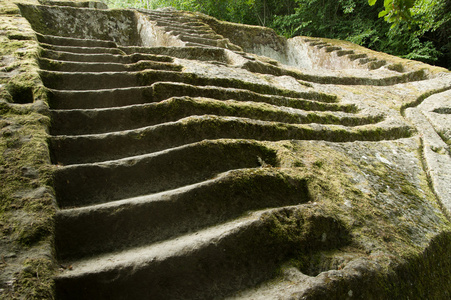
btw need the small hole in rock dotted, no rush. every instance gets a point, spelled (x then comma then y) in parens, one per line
(21, 94)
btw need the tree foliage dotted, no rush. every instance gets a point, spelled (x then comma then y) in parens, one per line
(395, 10)
(414, 29)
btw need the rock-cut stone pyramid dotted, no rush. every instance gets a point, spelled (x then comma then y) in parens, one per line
(200, 159)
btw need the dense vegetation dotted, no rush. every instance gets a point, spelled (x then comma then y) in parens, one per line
(414, 29)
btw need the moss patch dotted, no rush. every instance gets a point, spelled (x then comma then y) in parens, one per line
(26, 200)
(35, 281)
(383, 218)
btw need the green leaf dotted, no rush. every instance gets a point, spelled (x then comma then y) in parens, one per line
(372, 2)
(382, 13)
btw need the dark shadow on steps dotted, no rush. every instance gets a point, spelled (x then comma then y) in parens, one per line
(81, 185)
(144, 220)
(68, 150)
(244, 255)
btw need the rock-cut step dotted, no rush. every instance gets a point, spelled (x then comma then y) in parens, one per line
(87, 184)
(111, 80)
(75, 42)
(118, 97)
(148, 219)
(108, 146)
(207, 264)
(94, 121)
(84, 50)
(104, 57)
(211, 263)
(70, 66)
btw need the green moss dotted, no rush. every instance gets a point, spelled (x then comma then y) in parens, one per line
(35, 281)
(422, 97)
(26, 201)
(377, 231)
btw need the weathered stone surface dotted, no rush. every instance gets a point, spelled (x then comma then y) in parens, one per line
(200, 159)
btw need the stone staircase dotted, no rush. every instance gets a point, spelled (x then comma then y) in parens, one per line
(191, 31)
(150, 198)
(167, 179)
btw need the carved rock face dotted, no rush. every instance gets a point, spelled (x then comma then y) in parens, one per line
(199, 159)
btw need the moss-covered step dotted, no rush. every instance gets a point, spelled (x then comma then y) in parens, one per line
(116, 97)
(108, 146)
(85, 184)
(93, 121)
(109, 80)
(70, 41)
(68, 66)
(102, 57)
(148, 219)
(81, 49)
(210, 263)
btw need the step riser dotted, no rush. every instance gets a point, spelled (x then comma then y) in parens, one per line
(66, 41)
(135, 224)
(96, 81)
(72, 150)
(103, 57)
(203, 41)
(234, 262)
(198, 33)
(99, 99)
(212, 267)
(165, 90)
(82, 185)
(75, 122)
(62, 66)
(82, 50)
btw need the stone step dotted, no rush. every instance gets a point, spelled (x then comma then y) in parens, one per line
(78, 49)
(366, 60)
(108, 146)
(391, 79)
(357, 56)
(148, 219)
(104, 57)
(208, 264)
(200, 32)
(77, 4)
(70, 41)
(203, 41)
(172, 24)
(68, 66)
(188, 23)
(192, 53)
(180, 19)
(190, 44)
(93, 121)
(345, 52)
(87, 184)
(184, 34)
(104, 80)
(332, 48)
(376, 64)
(164, 90)
(111, 80)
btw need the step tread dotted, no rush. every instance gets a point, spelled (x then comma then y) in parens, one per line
(103, 120)
(159, 251)
(71, 41)
(148, 219)
(82, 49)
